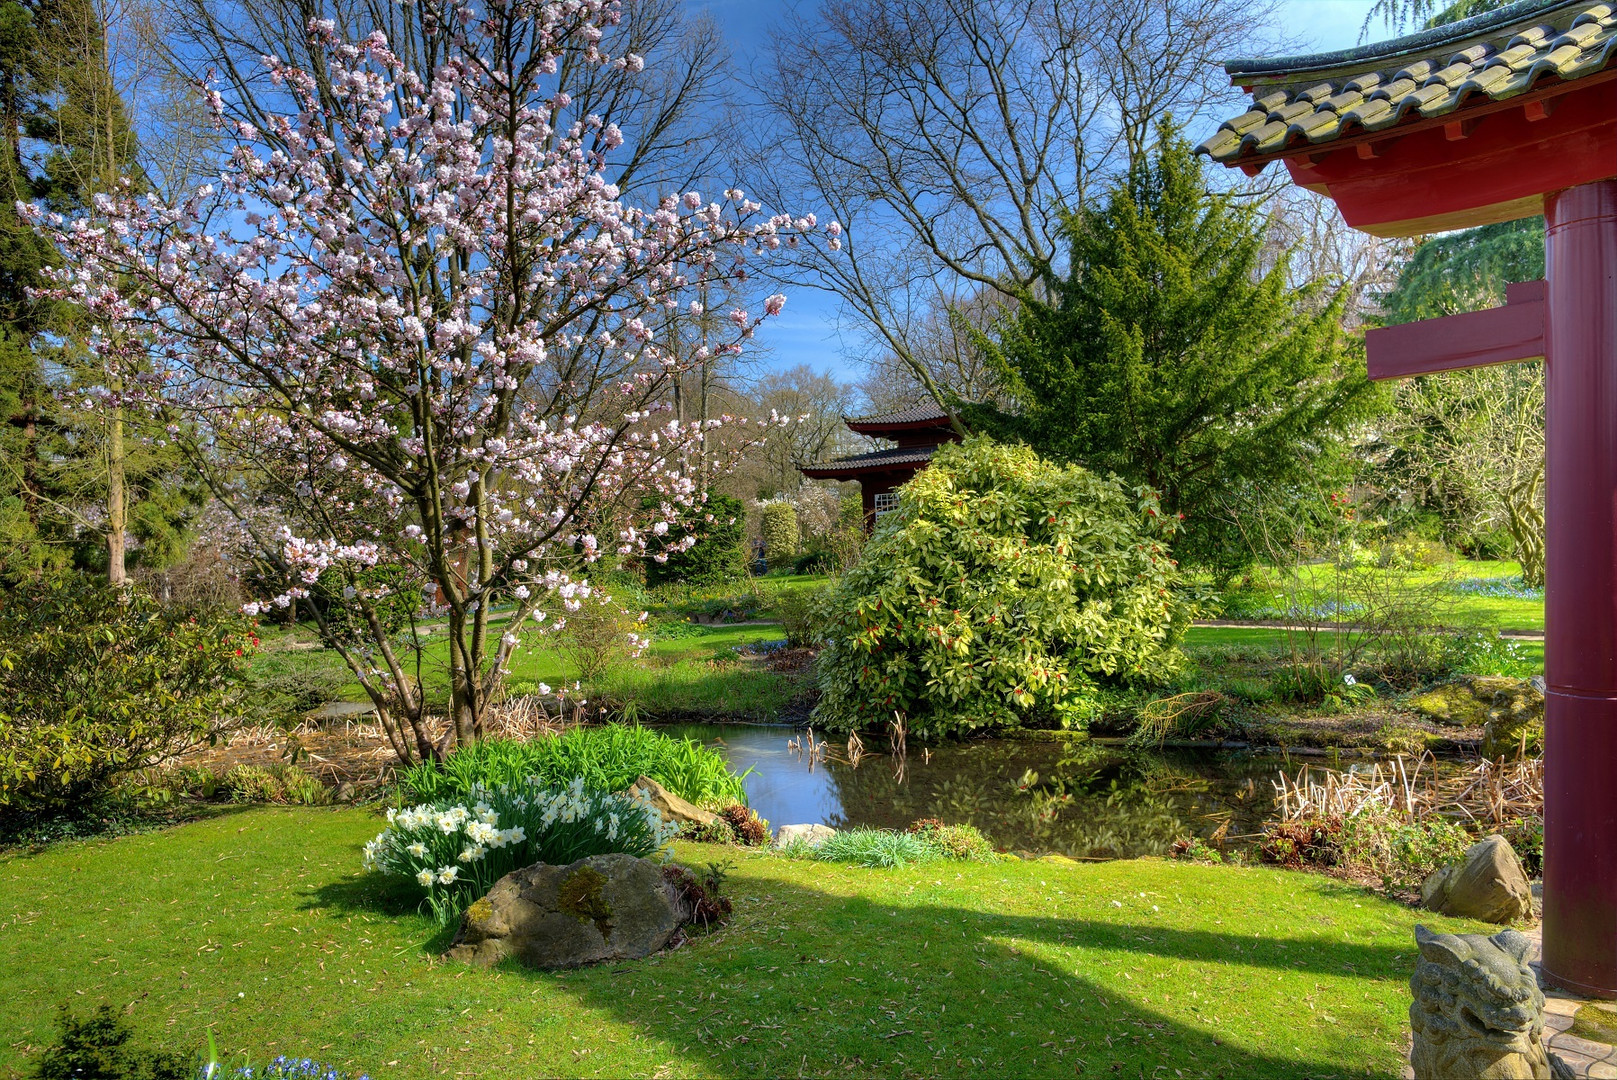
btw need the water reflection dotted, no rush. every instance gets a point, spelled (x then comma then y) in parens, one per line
(1070, 796)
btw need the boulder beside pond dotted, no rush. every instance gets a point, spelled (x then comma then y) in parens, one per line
(1488, 884)
(1510, 711)
(605, 907)
(670, 806)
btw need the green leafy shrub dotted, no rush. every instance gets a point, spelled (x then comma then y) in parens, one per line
(954, 841)
(799, 614)
(1001, 592)
(286, 784)
(606, 758)
(778, 527)
(96, 681)
(1401, 852)
(717, 557)
(455, 853)
(101, 1046)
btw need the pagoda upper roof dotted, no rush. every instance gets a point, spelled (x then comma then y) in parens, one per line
(1523, 48)
(916, 416)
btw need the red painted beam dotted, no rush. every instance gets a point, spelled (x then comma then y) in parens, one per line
(1409, 181)
(1498, 335)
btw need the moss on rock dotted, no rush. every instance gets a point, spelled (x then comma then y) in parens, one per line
(1510, 711)
(582, 896)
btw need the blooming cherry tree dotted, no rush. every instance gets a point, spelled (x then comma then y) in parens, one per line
(414, 316)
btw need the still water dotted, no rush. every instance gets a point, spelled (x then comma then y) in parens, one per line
(1071, 796)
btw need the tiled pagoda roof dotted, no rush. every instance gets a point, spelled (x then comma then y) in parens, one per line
(1521, 49)
(927, 415)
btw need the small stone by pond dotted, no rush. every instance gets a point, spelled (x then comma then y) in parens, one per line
(1063, 795)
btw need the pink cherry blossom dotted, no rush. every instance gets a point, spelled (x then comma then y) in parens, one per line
(414, 330)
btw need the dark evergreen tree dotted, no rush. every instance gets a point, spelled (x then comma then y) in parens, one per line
(73, 480)
(1178, 353)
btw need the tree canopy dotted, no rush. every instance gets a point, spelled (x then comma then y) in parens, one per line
(1178, 353)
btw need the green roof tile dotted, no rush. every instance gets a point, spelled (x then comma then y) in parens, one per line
(1491, 57)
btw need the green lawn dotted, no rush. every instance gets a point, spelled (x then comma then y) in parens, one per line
(695, 673)
(258, 926)
(1276, 640)
(1490, 612)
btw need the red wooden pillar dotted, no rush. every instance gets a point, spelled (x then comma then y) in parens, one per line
(1580, 754)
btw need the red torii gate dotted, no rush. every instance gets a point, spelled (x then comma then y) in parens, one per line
(1502, 116)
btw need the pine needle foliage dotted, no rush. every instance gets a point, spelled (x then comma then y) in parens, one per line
(1179, 353)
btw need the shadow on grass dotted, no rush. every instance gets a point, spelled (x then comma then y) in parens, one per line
(794, 987)
(48, 834)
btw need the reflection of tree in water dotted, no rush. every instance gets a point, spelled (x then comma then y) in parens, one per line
(1074, 797)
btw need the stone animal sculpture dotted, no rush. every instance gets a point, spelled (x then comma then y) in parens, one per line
(1478, 1013)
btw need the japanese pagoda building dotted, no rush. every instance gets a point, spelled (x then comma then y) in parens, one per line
(918, 431)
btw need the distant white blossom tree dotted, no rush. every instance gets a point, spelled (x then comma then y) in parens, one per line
(417, 314)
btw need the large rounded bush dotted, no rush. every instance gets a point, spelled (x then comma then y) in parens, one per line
(1001, 592)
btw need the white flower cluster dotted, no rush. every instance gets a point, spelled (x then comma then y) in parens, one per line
(510, 826)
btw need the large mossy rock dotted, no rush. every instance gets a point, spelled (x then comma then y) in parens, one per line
(1478, 1011)
(605, 907)
(1510, 711)
(1488, 884)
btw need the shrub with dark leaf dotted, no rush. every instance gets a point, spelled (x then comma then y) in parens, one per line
(1314, 842)
(703, 893)
(748, 827)
(718, 556)
(96, 681)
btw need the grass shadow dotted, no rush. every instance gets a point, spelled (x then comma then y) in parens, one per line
(964, 991)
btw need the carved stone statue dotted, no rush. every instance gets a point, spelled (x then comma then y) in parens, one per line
(1478, 1012)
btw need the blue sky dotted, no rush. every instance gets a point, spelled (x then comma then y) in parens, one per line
(807, 332)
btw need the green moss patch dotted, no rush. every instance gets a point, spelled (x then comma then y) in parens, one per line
(1597, 1023)
(583, 897)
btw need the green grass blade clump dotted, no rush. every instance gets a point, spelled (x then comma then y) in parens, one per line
(875, 847)
(607, 759)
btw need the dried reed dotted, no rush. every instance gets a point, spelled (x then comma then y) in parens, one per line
(1487, 793)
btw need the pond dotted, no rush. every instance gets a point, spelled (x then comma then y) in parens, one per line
(1071, 796)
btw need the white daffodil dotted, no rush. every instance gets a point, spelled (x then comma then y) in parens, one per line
(426, 878)
(417, 850)
(447, 875)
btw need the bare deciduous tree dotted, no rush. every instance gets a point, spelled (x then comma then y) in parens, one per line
(949, 137)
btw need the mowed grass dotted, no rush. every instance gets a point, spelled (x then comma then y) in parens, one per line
(1279, 641)
(1465, 609)
(259, 927)
(696, 673)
